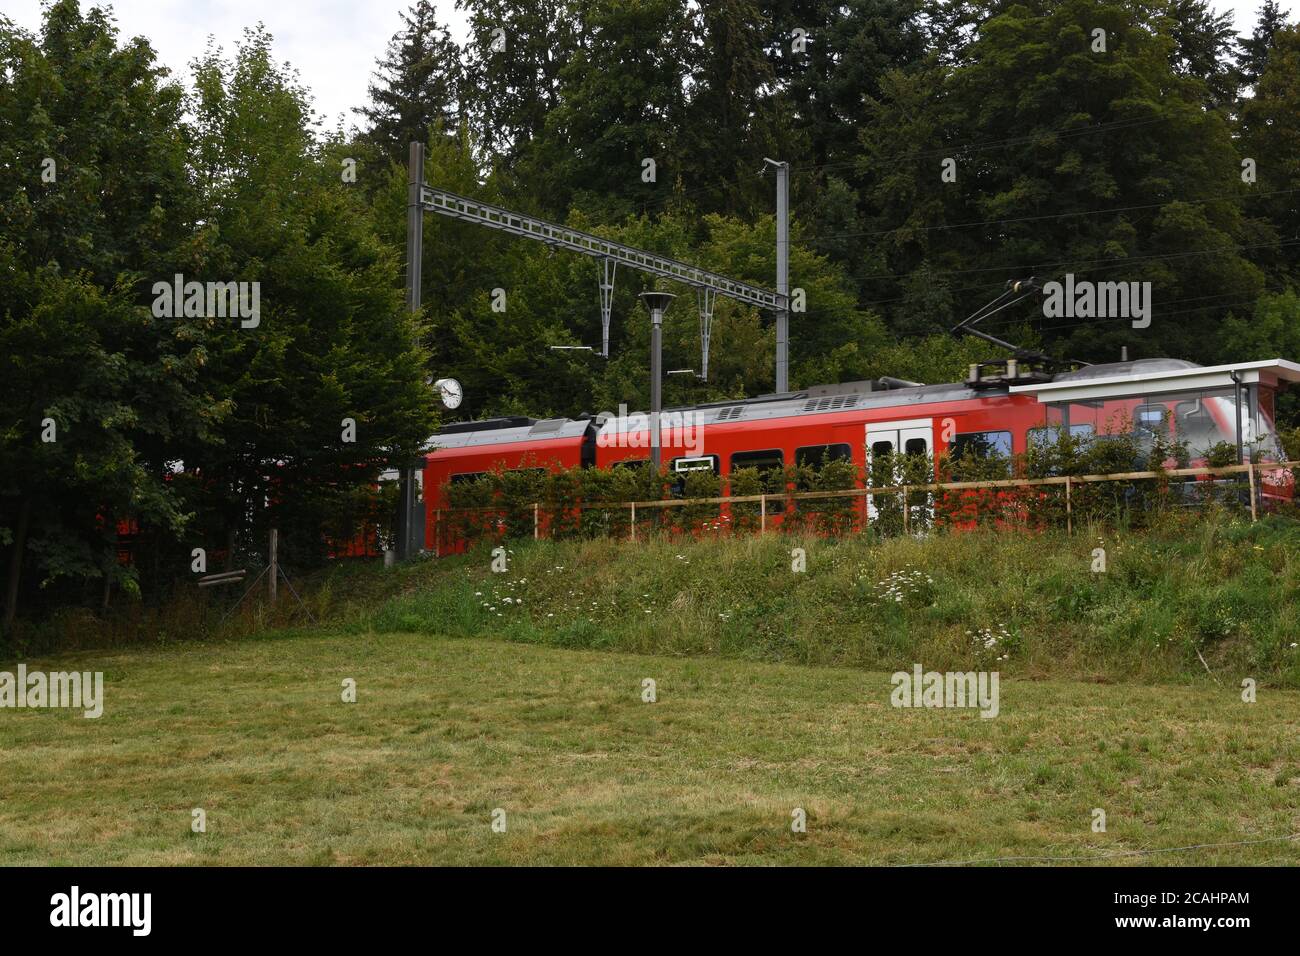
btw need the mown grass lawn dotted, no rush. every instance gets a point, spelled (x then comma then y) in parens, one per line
(445, 731)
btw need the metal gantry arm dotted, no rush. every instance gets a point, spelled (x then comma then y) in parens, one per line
(485, 214)
(607, 267)
(706, 297)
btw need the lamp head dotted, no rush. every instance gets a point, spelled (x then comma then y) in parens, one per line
(657, 301)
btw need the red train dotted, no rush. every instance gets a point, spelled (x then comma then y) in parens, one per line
(999, 411)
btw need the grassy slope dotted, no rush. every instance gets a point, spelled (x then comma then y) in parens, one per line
(1225, 592)
(451, 725)
(446, 730)
(1228, 593)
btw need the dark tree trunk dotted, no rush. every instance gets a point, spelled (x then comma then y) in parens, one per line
(231, 540)
(16, 562)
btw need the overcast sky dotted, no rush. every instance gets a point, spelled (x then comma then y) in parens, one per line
(332, 43)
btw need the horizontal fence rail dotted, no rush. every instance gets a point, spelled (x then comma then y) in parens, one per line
(766, 501)
(992, 483)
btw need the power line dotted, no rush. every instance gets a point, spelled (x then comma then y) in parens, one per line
(943, 150)
(1011, 321)
(956, 291)
(1124, 318)
(1061, 215)
(989, 144)
(1021, 268)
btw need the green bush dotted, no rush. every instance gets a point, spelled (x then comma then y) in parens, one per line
(592, 503)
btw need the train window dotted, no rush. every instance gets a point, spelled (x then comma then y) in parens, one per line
(881, 448)
(762, 460)
(1151, 420)
(915, 446)
(467, 476)
(771, 466)
(680, 467)
(982, 445)
(701, 463)
(1046, 437)
(631, 463)
(817, 457)
(820, 455)
(1196, 426)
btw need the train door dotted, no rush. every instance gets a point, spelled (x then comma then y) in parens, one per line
(912, 437)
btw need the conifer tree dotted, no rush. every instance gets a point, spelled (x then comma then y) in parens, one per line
(418, 84)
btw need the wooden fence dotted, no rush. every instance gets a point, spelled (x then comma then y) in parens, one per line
(1068, 482)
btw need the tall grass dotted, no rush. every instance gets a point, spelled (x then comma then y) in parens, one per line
(1196, 598)
(1213, 599)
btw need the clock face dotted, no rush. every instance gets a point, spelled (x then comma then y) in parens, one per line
(451, 392)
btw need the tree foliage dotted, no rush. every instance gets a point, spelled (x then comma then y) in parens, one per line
(937, 149)
(172, 429)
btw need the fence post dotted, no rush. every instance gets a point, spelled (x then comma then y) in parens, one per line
(1069, 511)
(906, 520)
(275, 561)
(437, 533)
(762, 514)
(1250, 476)
(535, 530)
(633, 521)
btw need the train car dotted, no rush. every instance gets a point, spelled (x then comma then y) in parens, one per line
(999, 412)
(467, 450)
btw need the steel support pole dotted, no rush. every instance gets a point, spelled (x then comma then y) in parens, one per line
(783, 277)
(1236, 402)
(656, 303)
(414, 259)
(656, 383)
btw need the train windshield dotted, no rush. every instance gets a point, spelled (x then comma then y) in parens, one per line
(1201, 422)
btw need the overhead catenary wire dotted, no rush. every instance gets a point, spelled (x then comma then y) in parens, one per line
(1118, 262)
(1225, 197)
(1115, 262)
(1010, 321)
(1029, 267)
(1095, 264)
(957, 148)
(1021, 269)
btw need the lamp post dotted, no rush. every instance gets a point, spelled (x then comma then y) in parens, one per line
(782, 274)
(657, 303)
(407, 542)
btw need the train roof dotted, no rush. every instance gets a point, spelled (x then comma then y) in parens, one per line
(1113, 378)
(818, 400)
(1156, 376)
(497, 431)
